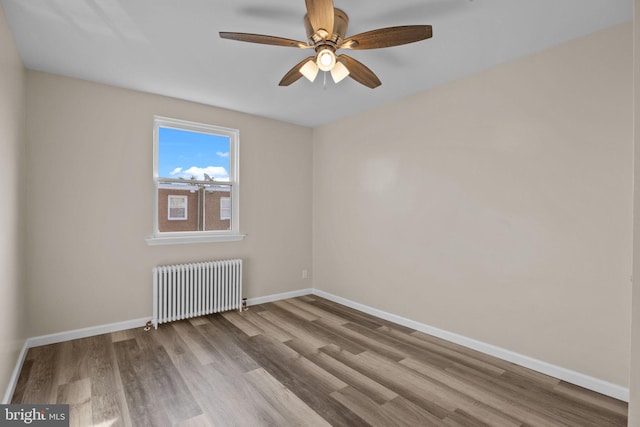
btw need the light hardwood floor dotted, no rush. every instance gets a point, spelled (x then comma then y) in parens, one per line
(300, 362)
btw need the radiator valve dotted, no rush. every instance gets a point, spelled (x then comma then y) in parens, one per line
(147, 326)
(244, 304)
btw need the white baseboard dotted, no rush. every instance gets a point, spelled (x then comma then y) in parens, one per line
(278, 297)
(86, 332)
(13, 381)
(573, 377)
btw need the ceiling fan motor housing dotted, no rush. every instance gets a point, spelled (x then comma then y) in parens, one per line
(340, 25)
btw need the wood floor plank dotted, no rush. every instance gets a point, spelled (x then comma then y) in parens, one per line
(404, 348)
(235, 402)
(72, 361)
(78, 395)
(363, 340)
(42, 381)
(288, 364)
(195, 342)
(436, 391)
(304, 305)
(199, 421)
(411, 414)
(314, 332)
(198, 321)
(461, 418)
(324, 379)
(108, 400)
(355, 379)
(423, 398)
(141, 404)
(487, 397)
(348, 314)
(23, 381)
(266, 326)
(241, 323)
(225, 343)
(122, 335)
(303, 361)
(453, 356)
(151, 375)
(544, 400)
(296, 310)
(589, 398)
(506, 366)
(365, 407)
(284, 401)
(269, 354)
(293, 328)
(273, 349)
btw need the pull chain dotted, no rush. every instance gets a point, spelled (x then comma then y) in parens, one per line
(325, 80)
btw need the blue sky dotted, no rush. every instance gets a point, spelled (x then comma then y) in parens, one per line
(185, 154)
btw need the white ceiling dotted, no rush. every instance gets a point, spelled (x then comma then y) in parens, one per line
(171, 47)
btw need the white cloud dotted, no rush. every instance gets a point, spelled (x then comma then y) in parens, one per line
(221, 154)
(216, 172)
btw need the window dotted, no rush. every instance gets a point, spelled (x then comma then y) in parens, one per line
(225, 208)
(195, 172)
(177, 207)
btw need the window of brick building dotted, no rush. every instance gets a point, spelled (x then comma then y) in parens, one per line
(225, 208)
(196, 182)
(177, 208)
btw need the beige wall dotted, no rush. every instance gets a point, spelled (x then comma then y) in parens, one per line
(90, 202)
(497, 207)
(634, 400)
(12, 138)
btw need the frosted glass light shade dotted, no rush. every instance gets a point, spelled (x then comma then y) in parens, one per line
(309, 70)
(339, 72)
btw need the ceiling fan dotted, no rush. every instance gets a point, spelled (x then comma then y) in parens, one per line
(326, 30)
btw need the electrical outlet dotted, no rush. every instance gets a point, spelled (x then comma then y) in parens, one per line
(305, 274)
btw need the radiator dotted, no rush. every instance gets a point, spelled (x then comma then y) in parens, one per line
(190, 290)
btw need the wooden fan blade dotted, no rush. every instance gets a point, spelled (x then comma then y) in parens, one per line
(294, 74)
(359, 72)
(321, 15)
(258, 38)
(388, 37)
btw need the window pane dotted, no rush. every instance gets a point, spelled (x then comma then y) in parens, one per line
(177, 207)
(193, 207)
(192, 155)
(216, 197)
(177, 213)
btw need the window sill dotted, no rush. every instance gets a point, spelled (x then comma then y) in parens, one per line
(180, 240)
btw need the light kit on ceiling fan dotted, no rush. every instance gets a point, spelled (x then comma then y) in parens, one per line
(326, 30)
(310, 70)
(325, 60)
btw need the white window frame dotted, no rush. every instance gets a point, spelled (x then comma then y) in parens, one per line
(181, 237)
(186, 208)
